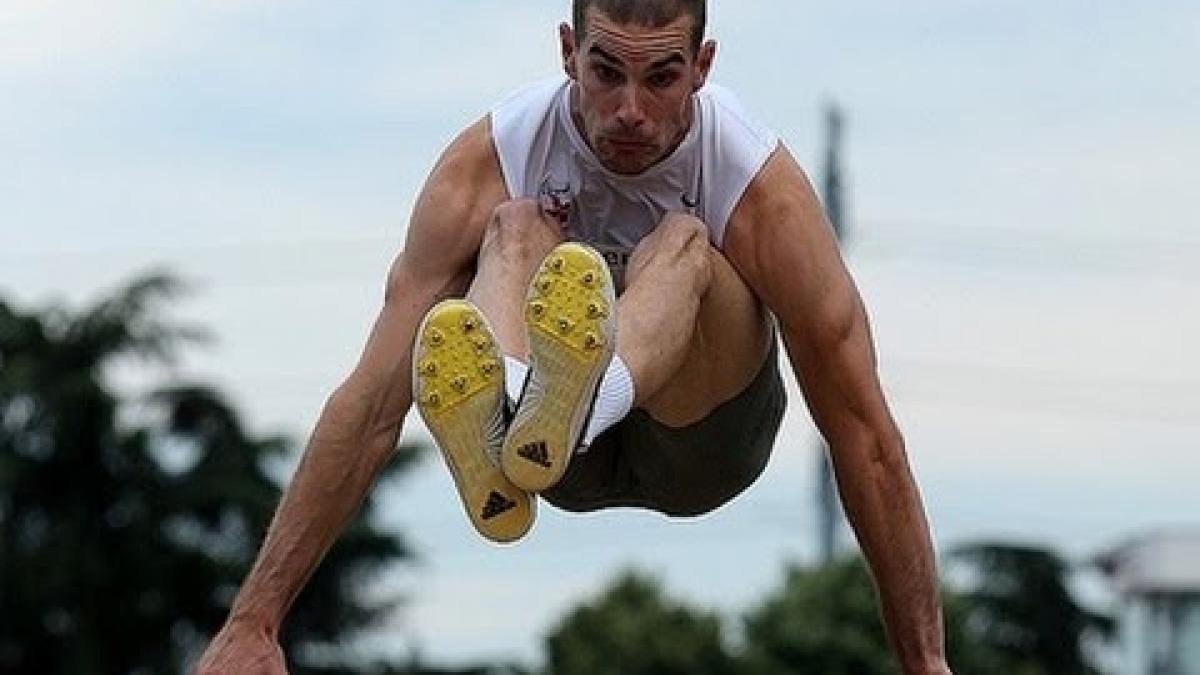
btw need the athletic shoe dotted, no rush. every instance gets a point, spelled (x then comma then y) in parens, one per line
(570, 315)
(458, 384)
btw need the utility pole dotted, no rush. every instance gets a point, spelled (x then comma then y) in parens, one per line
(831, 191)
(832, 195)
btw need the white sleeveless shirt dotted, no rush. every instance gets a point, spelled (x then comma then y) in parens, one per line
(543, 156)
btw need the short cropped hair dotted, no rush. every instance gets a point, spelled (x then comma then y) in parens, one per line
(653, 13)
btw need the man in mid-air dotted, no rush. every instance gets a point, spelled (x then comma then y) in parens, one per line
(586, 312)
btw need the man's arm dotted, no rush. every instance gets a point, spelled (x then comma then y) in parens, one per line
(358, 428)
(780, 242)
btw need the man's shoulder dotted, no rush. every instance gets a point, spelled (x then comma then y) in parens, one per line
(735, 148)
(471, 150)
(467, 170)
(527, 104)
(518, 116)
(732, 120)
(519, 124)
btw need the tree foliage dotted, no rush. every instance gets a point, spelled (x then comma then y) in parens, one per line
(114, 559)
(633, 628)
(1021, 608)
(821, 620)
(824, 620)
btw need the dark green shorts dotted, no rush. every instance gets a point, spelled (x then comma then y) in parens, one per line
(679, 471)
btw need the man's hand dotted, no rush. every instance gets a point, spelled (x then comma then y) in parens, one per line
(242, 649)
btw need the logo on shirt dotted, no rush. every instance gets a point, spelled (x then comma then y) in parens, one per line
(555, 198)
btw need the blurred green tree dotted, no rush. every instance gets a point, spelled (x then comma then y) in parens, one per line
(633, 628)
(1020, 606)
(126, 528)
(822, 620)
(826, 620)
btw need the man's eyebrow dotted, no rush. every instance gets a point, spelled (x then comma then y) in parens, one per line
(597, 51)
(674, 59)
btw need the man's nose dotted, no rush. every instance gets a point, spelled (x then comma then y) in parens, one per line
(631, 114)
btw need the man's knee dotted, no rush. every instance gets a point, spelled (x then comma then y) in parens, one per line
(680, 240)
(518, 230)
(682, 232)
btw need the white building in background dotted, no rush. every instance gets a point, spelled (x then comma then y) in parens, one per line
(1158, 579)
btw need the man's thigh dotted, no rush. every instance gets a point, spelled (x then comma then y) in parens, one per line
(733, 334)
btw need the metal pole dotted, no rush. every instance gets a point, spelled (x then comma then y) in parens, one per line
(832, 195)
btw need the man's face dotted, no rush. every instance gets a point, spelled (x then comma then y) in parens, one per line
(635, 87)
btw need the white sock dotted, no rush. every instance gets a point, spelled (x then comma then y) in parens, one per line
(613, 401)
(514, 377)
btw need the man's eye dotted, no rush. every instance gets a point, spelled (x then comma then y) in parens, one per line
(663, 79)
(607, 73)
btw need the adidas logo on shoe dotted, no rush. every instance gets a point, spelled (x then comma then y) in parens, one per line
(497, 505)
(458, 386)
(536, 453)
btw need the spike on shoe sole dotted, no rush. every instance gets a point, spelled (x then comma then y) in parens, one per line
(459, 389)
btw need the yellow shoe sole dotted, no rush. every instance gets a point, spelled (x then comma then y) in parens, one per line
(458, 384)
(570, 315)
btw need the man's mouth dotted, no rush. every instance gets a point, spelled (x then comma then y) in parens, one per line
(628, 143)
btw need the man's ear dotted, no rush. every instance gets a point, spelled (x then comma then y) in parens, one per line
(566, 38)
(704, 62)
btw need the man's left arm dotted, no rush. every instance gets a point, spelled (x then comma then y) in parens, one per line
(779, 241)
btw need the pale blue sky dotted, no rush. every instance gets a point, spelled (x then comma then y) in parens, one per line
(1022, 189)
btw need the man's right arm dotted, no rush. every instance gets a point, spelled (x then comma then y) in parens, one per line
(359, 426)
